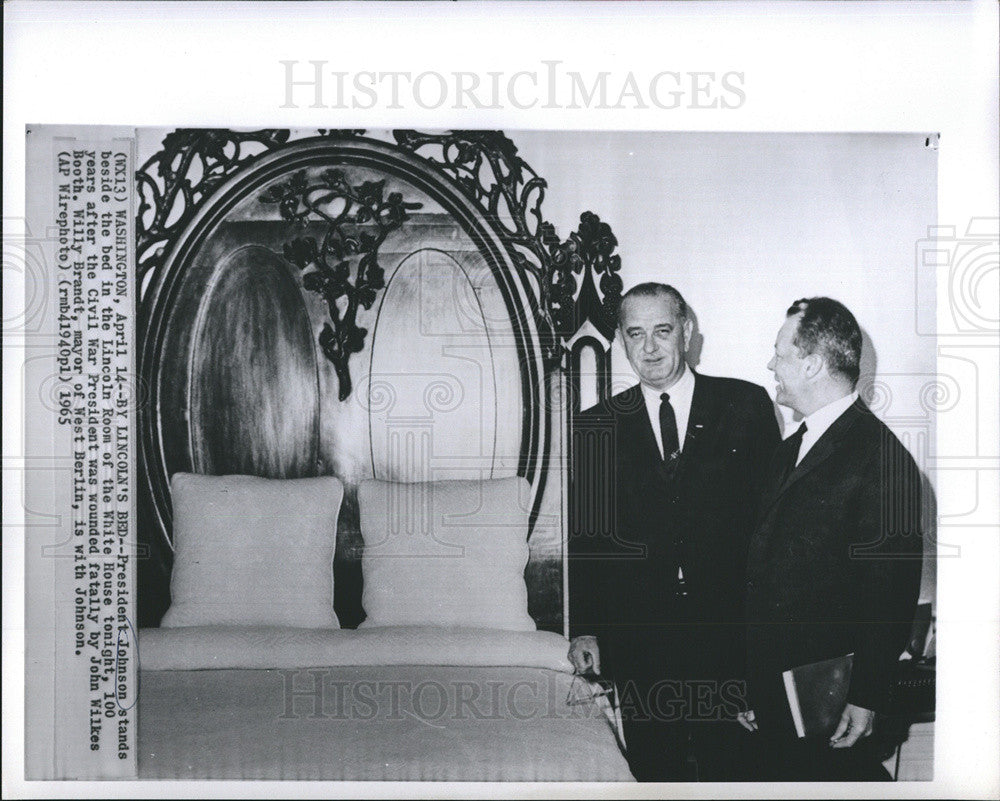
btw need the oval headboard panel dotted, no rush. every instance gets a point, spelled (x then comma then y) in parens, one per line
(254, 396)
(444, 392)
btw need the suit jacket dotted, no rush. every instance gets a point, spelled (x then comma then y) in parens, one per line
(633, 525)
(834, 563)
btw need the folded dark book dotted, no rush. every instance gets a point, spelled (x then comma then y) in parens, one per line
(817, 694)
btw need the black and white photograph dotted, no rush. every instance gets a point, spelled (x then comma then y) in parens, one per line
(389, 340)
(497, 453)
(389, 455)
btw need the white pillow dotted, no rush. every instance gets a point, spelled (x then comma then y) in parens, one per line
(445, 553)
(253, 551)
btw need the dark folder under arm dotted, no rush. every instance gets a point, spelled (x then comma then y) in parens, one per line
(817, 694)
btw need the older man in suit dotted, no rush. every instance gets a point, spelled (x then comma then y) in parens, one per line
(834, 561)
(662, 507)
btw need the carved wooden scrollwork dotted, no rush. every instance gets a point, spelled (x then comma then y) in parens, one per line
(355, 230)
(586, 254)
(174, 183)
(484, 165)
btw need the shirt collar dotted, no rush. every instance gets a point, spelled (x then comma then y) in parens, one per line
(680, 391)
(820, 420)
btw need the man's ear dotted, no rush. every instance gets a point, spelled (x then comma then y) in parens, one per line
(813, 365)
(688, 331)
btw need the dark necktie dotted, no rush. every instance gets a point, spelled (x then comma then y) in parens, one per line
(671, 446)
(793, 444)
(668, 427)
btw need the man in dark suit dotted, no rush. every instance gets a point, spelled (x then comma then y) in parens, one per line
(662, 507)
(834, 561)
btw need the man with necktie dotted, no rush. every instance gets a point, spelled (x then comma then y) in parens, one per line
(661, 508)
(835, 558)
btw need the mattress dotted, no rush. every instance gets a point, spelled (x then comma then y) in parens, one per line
(374, 704)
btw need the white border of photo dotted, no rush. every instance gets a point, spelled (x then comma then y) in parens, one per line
(833, 67)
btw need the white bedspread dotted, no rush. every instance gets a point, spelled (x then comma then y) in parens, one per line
(204, 647)
(374, 704)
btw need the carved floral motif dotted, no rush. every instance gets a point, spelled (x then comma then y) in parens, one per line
(486, 166)
(174, 183)
(342, 267)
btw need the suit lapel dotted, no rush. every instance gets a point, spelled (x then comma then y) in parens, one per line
(702, 417)
(824, 448)
(774, 473)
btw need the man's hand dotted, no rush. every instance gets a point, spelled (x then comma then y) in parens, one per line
(748, 720)
(584, 654)
(855, 723)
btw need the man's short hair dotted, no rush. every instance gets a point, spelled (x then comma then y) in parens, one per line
(653, 289)
(827, 327)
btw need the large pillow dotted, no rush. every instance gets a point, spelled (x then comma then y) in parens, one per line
(445, 553)
(253, 551)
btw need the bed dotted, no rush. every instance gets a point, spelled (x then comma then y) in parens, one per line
(361, 352)
(393, 704)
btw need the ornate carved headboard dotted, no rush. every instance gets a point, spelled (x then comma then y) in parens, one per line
(389, 305)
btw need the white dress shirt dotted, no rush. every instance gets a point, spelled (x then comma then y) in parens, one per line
(819, 421)
(680, 399)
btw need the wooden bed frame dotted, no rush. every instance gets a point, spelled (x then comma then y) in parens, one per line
(280, 277)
